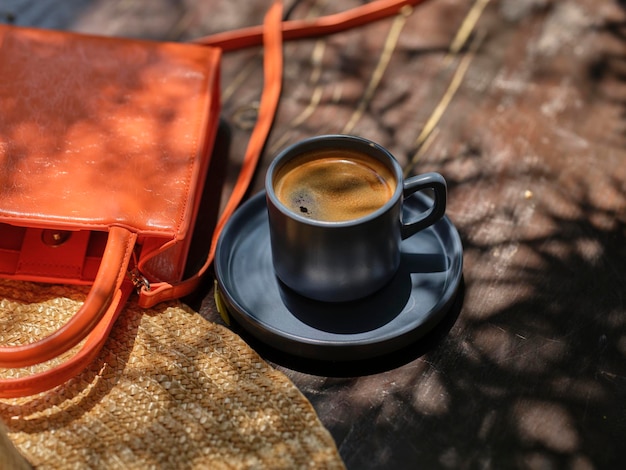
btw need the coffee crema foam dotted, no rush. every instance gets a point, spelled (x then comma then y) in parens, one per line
(335, 185)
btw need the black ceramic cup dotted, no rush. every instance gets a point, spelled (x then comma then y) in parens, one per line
(343, 260)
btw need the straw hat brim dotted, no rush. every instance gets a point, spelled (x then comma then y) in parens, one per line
(169, 390)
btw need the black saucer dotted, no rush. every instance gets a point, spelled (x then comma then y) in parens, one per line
(415, 300)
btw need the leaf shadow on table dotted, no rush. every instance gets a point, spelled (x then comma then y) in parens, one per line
(532, 373)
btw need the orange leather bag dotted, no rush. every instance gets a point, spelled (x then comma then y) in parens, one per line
(105, 147)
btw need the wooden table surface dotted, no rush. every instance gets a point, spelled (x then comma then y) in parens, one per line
(521, 105)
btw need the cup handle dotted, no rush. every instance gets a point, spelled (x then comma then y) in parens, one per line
(433, 181)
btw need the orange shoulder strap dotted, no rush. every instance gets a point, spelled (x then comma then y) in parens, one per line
(271, 35)
(301, 29)
(272, 70)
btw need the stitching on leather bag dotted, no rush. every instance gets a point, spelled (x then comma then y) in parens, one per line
(202, 128)
(130, 245)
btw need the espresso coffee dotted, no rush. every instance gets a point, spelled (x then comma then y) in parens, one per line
(334, 185)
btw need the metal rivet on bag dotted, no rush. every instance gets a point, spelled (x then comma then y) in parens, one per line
(55, 237)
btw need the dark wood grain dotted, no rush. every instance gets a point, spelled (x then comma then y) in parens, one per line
(526, 120)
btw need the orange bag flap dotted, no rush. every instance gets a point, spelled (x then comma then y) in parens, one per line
(111, 132)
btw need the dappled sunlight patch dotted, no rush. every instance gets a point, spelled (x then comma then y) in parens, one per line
(518, 351)
(430, 396)
(546, 424)
(591, 389)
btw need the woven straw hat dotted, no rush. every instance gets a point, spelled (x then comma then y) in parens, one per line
(169, 390)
